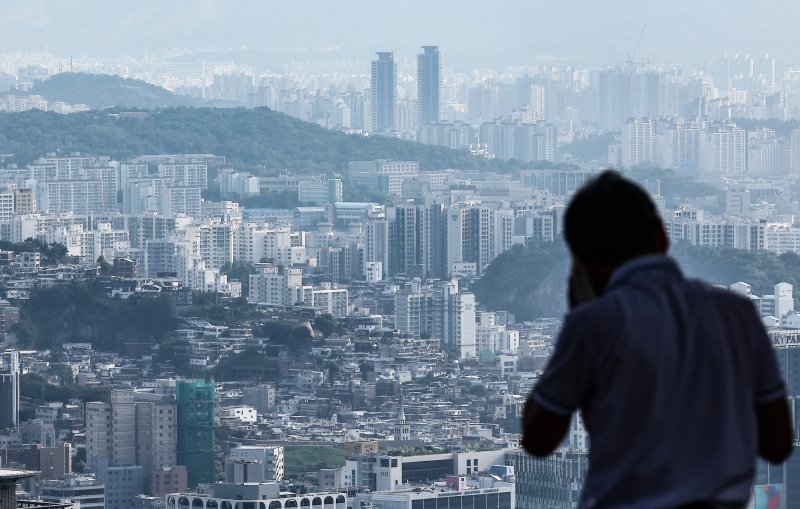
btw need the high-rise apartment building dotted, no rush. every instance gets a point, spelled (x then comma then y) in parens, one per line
(254, 243)
(156, 432)
(384, 93)
(515, 140)
(138, 427)
(123, 428)
(414, 310)
(432, 239)
(403, 237)
(611, 91)
(217, 244)
(7, 208)
(439, 311)
(69, 196)
(787, 352)
(723, 150)
(269, 285)
(376, 243)
(639, 143)
(9, 392)
(454, 135)
(429, 86)
(763, 153)
(184, 200)
(459, 320)
(185, 174)
(146, 194)
(98, 432)
(429, 241)
(679, 146)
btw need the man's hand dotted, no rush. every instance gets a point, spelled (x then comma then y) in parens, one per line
(579, 285)
(542, 430)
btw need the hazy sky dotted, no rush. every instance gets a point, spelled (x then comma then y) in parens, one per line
(470, 33)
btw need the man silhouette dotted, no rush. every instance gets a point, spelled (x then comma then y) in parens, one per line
(676, 381)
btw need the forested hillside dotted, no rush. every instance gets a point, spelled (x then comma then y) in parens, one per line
(528, 281)
(249, 138)
(103, 91)
(531, 281)
(83, 313)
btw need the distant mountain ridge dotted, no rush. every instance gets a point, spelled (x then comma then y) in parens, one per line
(104, 91)
(252, 139)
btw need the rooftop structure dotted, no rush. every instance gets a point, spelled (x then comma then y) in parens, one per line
(8, 486)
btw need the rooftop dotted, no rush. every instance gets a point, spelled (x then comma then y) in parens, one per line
(15, 475)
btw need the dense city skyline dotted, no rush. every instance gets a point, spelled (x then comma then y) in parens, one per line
(310, 254)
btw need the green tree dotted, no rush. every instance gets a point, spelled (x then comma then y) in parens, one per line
(301, 338)
(240, 270)
(276, 200)
(296, 337)
(252, 139)
(36, 388)
(325, 323)
(56, 253)
(79, 467)
(83, 312)
(477, 390)
(105, 268)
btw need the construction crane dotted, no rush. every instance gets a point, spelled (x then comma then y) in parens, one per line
(632, 54)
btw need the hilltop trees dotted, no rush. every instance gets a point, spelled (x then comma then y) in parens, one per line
(83, 312)
(252, 139)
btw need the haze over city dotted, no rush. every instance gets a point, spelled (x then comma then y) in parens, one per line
(310, 254)
(473, 34)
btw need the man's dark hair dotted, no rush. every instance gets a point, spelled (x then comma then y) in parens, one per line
(611, 220)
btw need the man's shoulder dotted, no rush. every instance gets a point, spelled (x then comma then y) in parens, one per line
(596, 315)
(721, 295)
(616, 304)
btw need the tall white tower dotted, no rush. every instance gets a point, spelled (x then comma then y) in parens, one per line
(402, 428)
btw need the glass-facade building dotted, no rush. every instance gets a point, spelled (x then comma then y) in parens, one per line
(384, 93)
(429, 85)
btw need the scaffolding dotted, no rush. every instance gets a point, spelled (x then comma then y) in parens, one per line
(196, 412)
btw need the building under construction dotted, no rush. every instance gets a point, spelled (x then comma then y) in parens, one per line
(196, 399)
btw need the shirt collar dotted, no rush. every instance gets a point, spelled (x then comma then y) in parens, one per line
(661, 263)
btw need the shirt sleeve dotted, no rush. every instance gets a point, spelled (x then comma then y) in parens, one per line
(769, 384)
(565, 382)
